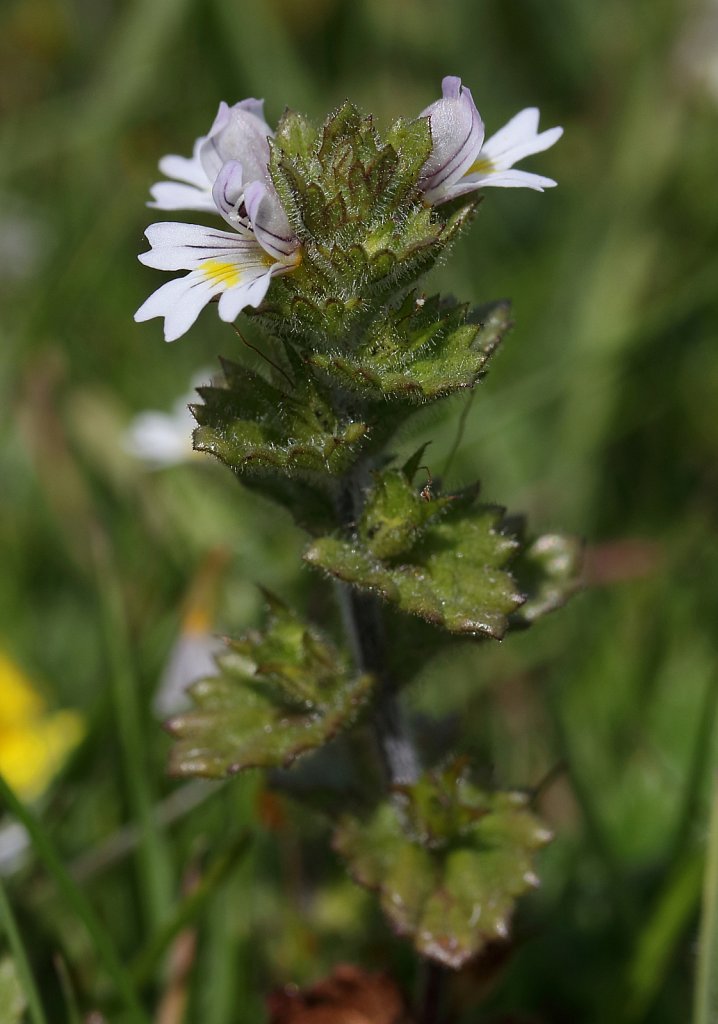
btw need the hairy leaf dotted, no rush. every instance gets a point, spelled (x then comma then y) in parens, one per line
(352, 198)
(448, 861)
(424, 350)
(255, 427)
(448, 559)
(444, 559)
(276, 695)
(550, 570)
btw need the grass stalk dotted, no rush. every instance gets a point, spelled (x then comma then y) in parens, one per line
(706, 990)
(76, 902)
(153, 858)
(22, 964)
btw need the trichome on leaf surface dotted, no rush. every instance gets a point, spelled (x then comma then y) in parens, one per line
(332, 228)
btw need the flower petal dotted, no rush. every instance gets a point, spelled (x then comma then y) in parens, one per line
(180, 302)
(228, 193)
(270, 222)
(521, 126)
(190, 188)
(250, 292)
(238, 133)
(160, 438)
(509, 178)
(187, 169)
(220, 263)
(171, 195)
(178, 246)
(457, 132)
(517, 139)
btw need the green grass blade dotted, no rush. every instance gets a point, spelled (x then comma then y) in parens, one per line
(76, 902)
(154, 860)
(295, 86)
(22, 965)
(71, 1007)
(706, 992)
(659, 938)
(189, 909)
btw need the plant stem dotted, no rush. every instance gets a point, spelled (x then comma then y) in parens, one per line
(364, 627)
(433, 980)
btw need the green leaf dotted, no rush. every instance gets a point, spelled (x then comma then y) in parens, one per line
(423, 350)
(444, 559)
(255, 427)
(412, 142)
(549, 570)
(276, 695)
(453, 562)
(295, 135)
(396, 515)
(12, 1000)
(353, 200)
(341, 185)
(448, 861)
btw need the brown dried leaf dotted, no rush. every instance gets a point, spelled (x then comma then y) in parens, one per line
(348, 996)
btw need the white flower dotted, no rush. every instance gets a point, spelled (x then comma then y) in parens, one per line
(192, 658)
(228, 174)
(462, 162)
(165, 438)
(238, 133)
(191, 189)
(160, 438)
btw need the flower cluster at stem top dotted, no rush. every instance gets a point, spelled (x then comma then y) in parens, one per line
(228, 174)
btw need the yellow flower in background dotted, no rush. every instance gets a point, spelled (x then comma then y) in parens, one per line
(33, 741)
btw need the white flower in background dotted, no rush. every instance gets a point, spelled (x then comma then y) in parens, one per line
(24, 239)
(192, 657)
(461, 161)
(162, 439)
(193, 653)
(696, 52)
(227, 174)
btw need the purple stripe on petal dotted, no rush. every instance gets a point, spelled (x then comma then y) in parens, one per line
(270, 223)
(457, 133)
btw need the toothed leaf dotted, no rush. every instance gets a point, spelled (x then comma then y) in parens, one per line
(444, 559)
(448, 861)
(255, 427)
(550, 569)
(276, 695)
(422, 351)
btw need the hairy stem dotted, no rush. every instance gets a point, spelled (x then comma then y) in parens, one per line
(433, 979)
(364, 627)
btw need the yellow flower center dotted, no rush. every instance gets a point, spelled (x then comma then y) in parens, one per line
(481, 166)
(221, 272)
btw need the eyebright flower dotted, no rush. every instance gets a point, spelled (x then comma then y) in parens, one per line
(462, 162)
(227, 175)
(161, 439)
(193, 653)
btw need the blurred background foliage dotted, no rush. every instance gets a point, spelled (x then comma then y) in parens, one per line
(599, 418)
